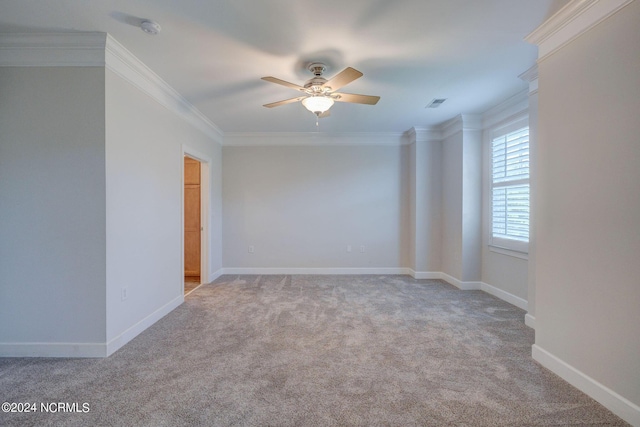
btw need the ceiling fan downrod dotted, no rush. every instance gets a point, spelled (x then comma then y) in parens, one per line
(317, 68)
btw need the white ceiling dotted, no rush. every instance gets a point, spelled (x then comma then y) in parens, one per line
(410, 51)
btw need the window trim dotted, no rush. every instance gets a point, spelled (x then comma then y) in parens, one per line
(511, 247)
(509, 252)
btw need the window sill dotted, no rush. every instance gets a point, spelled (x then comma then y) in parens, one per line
(509, 252)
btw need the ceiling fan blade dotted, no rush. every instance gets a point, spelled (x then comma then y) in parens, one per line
(283, 83)
(343, 78)
(357, 99)
(325, 114)
(286, 101)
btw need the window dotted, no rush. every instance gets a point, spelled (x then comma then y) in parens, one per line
(510, 190)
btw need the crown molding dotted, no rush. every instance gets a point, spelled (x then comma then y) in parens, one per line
(126, 65)
(52, 49)
(420, 134)
(461, 123)
(531, 76)
(263, 139)
(90, 49)
(574, 19)
(512, 108)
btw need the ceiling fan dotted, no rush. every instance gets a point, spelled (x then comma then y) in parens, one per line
(320, 93)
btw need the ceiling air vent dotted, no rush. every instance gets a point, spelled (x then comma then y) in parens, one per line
(436, 103)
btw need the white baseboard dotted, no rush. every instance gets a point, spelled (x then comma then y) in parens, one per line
(106, 349)
(47, 349)
(465, 286)
(319, 271)
(485, 287)
(530, 321)
(213, 276)
(424, 275)
(617, 404)
(132, 332)
(505, 296)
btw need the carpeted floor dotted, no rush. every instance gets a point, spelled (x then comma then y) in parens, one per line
(313, 351)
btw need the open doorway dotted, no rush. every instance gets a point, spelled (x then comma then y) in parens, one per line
(195, 220)
(192, 224)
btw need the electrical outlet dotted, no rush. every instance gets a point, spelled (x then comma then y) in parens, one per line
(362, 249)
(124, 293)
(251, 249)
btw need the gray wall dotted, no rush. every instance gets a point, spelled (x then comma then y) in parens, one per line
(52, 205)
(505, 270)
(533, 202)
(471, 221)
(144, 203)
(91, 203)
(301, 206)
(462, 199)
(588, 210)
(425, 204)
(452, 152)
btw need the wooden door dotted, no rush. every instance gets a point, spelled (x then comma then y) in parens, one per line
(191, 219)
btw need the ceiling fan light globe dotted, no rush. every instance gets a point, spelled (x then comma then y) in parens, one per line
(317, 104)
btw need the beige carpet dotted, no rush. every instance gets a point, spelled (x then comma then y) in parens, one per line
(313, 351)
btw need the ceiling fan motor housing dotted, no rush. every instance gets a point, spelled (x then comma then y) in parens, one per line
(315, 85)
(317, 68)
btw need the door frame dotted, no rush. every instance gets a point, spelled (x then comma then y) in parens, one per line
(205, 209)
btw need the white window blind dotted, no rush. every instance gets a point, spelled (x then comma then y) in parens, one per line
(510, 187)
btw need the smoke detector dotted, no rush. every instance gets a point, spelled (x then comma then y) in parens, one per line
(150, 27)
